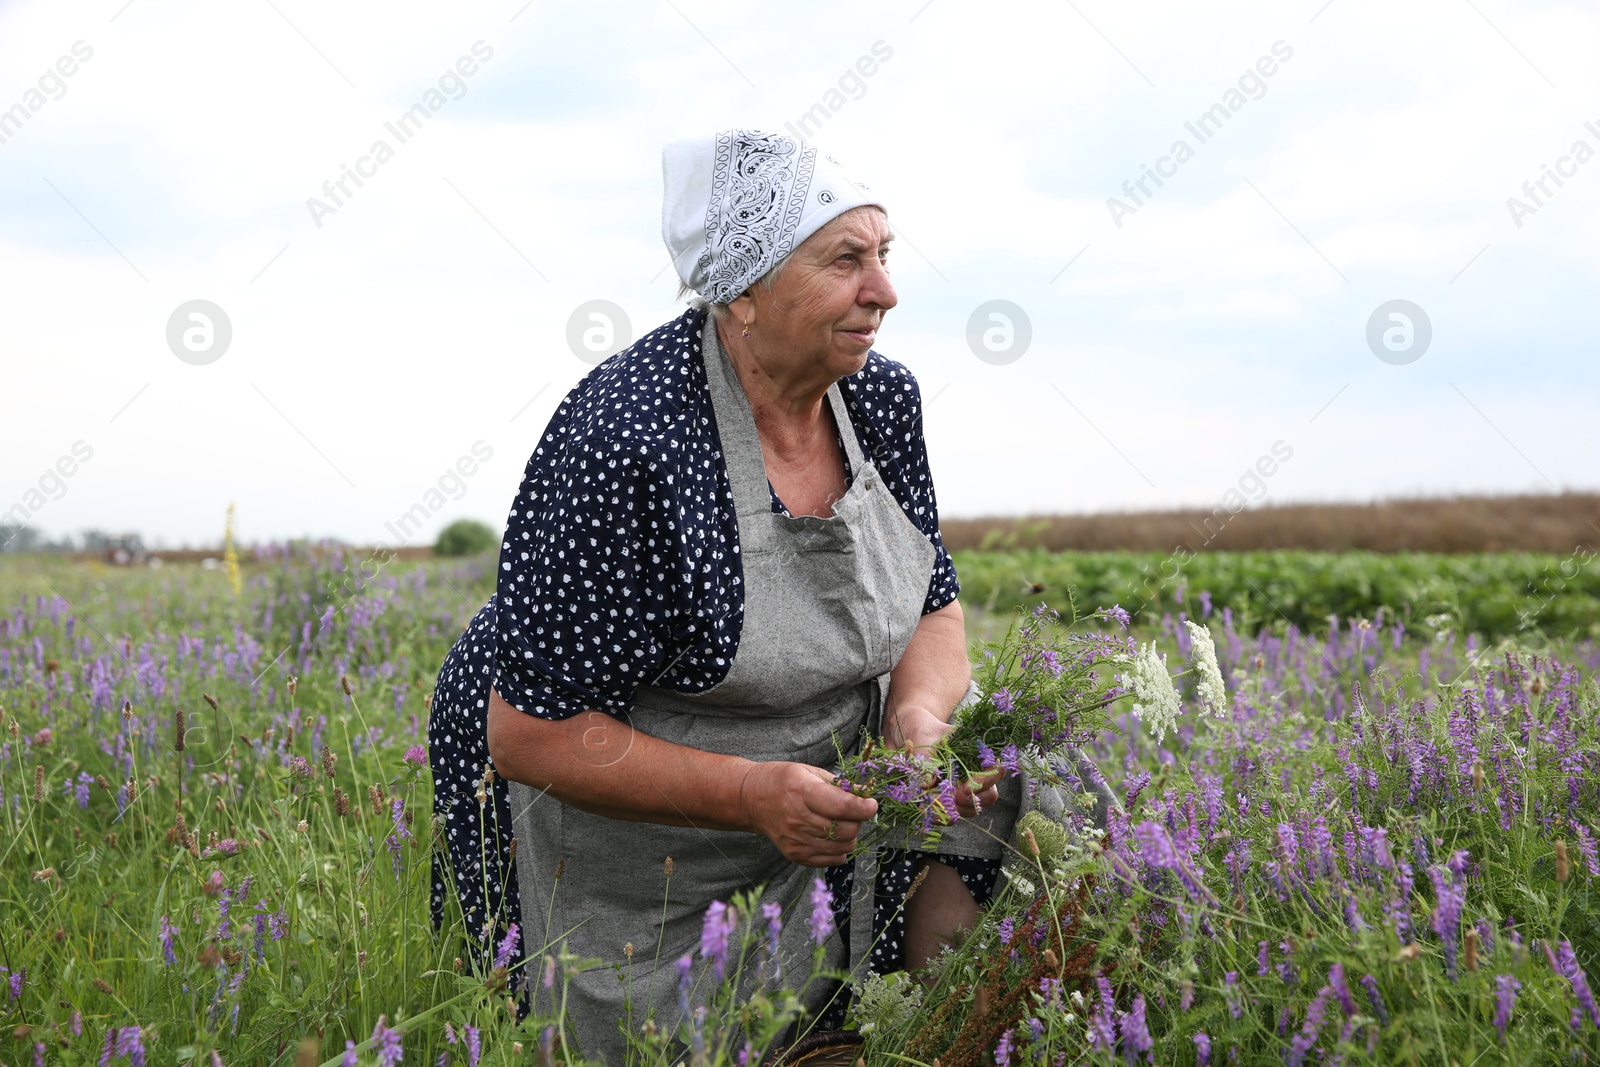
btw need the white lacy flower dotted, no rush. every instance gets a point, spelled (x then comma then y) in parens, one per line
(1155, 697)
(1203, 659)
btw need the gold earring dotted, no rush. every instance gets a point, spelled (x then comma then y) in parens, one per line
(747, 329)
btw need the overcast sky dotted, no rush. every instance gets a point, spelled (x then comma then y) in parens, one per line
(1176, 335)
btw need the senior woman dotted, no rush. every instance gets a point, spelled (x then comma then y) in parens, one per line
(723, 559)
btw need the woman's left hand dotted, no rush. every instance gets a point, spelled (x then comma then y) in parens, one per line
(919, 730)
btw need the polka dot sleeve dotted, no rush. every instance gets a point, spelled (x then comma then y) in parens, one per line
(612, 567)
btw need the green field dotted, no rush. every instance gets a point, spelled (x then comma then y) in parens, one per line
(1494, 595)
(257, 893)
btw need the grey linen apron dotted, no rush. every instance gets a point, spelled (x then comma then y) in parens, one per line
(829, 608)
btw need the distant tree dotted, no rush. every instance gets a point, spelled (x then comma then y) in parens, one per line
(466, 537)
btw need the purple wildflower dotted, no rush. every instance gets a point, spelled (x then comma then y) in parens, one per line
(75, 1024)
(719, 922)
(109, 1049)
(167, 930)
(1379, 1008)
(1102, 1028)
(508, 946)
(1566, 964)
(1136, 1032)
(1341, 988)
(1263, 967)
(1007, 930)
(1446, 922)
(1115, 613)
(1311, 1029)
(685, 965)
(1002, 700)
(821, 911)
(1011, 759)
(1505, 999)
(130, 1045)
(474, 1044)
(386, 1043)
(38, 1054)
(350, 1058)
(1202, 1049)
(986, 758)
(1003, 1050)
(16, 980)
(1232, 994)
(947, 800)
(416, 756)
(401, 833)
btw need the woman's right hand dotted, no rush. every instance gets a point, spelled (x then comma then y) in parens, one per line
(797, 806)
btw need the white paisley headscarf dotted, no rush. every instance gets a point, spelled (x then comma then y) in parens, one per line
(739, 201)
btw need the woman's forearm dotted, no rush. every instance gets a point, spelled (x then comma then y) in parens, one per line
(934, 673)
(602, 765)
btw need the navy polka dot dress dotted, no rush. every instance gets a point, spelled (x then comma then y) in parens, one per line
(582, 617)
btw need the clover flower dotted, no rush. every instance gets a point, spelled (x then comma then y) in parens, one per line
(1213, 694)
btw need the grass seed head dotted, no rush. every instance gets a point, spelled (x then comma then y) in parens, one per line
(209, 699)
(1563, 868)
(344, 683)
(38, 783)
(180, 728)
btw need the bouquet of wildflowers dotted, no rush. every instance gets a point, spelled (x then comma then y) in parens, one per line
(1042, 690)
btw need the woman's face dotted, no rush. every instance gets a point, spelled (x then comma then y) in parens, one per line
(824, 310)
